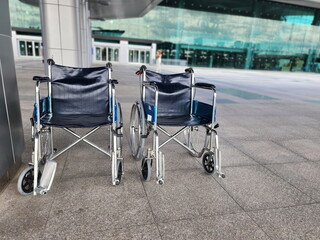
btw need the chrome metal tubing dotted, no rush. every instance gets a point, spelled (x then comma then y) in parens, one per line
(87, 141)
(110, 90)
(192, 92)
(172, 137)
(35, 164)
(73, 144)
(178, 141)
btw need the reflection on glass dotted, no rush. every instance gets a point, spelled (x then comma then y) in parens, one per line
(235, 34)
(116, 55)
(135, 56)
(130, 55)
(110, 54)
(29, 49)
(98, 54)
(22, 47)
(104, 54)
(37, 48)
(142, 57)
(147, 57)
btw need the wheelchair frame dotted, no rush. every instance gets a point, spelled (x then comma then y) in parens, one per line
(47, 158)
(142, 128)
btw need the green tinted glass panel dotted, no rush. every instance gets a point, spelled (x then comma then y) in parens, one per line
(22, 47)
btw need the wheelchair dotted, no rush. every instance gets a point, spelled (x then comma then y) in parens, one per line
(169, 100)
(76, 98)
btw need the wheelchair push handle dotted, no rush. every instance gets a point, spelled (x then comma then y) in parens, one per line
(109, 65)
(50, 62)
(141, 70)
(189, 70)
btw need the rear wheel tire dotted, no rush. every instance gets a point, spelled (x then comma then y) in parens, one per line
(198, 138)
(137, 129)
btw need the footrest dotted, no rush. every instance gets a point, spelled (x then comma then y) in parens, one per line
(47, 176)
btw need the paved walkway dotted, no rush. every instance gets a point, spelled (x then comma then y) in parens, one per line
(270, 142)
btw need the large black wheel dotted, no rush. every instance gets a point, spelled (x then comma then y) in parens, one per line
(25, 181)
(137, 129)
(119, 127)
(120, 171)
(208, 162)
(146, 169)
(197, 139)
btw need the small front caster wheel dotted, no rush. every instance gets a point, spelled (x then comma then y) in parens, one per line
(208, 162)
(223, 175)
(146, 169)
(25, 181)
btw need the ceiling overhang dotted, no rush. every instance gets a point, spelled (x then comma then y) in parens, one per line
(117, 9)
(306, 3)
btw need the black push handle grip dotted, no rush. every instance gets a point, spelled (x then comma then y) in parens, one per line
(189, 70)
(50, 62)
(109, 65)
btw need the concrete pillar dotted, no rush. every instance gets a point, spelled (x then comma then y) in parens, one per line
(11, 131)
(249, 54)
(153, 53)
(63, 24)
(14, 43)
(124, 52)
(85, 34)
(310, 60)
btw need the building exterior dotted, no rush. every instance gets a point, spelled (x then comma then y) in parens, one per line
(247, 34)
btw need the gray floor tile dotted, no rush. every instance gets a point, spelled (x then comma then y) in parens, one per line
(254, 187)
(22, 217)
(307, 148)
(233, 226)
(266, 152)
(237, 132)
(304, 176)
(144, 232)
(188, 194)
(301, 222)
(92, 204)
(231, 156)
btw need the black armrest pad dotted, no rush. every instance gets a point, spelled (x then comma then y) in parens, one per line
(41, 79)
(113, 81)
(205, 85)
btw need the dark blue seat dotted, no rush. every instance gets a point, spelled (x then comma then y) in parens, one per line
(80, 98)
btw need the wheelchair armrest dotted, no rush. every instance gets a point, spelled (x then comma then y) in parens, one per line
(189, 70)
(41, 79)
(205, 86)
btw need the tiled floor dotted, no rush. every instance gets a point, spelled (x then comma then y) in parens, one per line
(270, 142)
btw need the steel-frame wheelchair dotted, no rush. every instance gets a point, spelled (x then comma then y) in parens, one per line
(169, 100)
(76, 98)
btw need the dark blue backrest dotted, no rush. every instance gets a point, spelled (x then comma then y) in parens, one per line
(79, 90)
(174, 93)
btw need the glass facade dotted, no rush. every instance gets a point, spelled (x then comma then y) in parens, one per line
(104, 53)
(250, 34)
(246, 34)
(23, 15)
